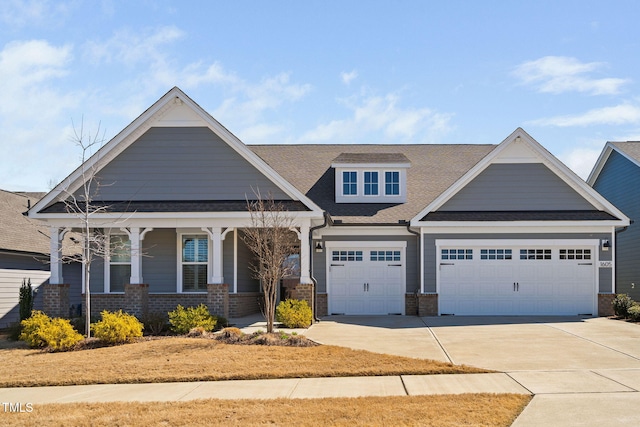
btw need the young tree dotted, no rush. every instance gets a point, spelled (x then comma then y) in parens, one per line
(272, 241)
(26, 299)
(80, 203)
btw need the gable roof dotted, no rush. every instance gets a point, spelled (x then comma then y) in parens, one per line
(19, 233)
(520, 147)
(175, 108)
(434, 168)
(628, 149)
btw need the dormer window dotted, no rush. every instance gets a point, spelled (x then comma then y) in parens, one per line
(371, 177)
(370, 183)
(350, 183)
(392, 183)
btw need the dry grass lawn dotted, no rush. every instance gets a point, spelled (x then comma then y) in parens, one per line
(192, 359)
(442, 411)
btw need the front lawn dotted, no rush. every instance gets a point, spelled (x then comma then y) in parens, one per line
(193, 359)
(442, 411)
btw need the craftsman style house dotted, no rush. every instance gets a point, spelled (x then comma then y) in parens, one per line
(462, 229)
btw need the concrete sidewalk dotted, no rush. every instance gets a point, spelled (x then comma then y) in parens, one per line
(294, 388)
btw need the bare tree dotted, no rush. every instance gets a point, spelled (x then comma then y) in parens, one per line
(80, 203)
(272, 241)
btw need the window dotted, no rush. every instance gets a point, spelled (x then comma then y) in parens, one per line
(575, 253)
(346, 256)
(385, 255)
(504, 254)
(392, 183)
(457, 254)
(350, 183)
(195, 255)
(371, 183)
(119, 262)
(536, 254)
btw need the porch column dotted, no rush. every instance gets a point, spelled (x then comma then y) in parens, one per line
(305, 270)
(215, 260)
(55, 256)
(136, 236)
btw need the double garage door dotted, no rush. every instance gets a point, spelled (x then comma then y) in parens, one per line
(511, 278)
(366, 280)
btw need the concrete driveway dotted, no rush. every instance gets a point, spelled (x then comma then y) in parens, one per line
(582, 371)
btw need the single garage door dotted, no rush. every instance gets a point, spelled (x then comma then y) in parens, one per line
(366, 280)
(517, 279)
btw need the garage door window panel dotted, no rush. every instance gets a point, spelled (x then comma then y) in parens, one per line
(346, 256)
(575, 254)
(535, 254)
(385, 255)
(457, 254)
(496, 254)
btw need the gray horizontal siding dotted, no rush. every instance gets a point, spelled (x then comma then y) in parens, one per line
(412, 267)
(181, 164)
(246, 282)
(227, 259)
(431, 263)
(160, 263)
(516, 187)
(619, 182)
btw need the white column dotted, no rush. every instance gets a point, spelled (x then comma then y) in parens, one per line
(215, 259)
(305, 269)
(55, 256)
(136, 236)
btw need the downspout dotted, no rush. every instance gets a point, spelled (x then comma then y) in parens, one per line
(420, 260)
(325, 215)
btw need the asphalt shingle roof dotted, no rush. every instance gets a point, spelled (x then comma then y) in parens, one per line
(434, 168)
(174, 206)
(17, 232)
(630, 148)
(519, 216)
(371, 158)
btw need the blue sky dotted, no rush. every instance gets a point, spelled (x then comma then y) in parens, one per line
(319, 72)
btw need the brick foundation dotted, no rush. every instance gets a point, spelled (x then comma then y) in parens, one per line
(218, 299)
(244, 304)
(427, 305)
(605, 308)
(136, 299)
(322, 305)
(100, 302)
(304, 292)
(55, 299)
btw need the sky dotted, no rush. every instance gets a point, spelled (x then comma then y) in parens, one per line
(298, 72)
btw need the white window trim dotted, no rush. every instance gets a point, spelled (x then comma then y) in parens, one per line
(384, 179)
(364, 183)
(107, 262)
(182, 233)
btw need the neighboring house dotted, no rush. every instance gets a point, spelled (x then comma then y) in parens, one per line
(616, 175)
(24, 253)
(463, 229)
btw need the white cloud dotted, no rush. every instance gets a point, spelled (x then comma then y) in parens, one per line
(378, 114)
(581, 160)
(558, 74)
(617, 115)
(347, 78)
(36, 13)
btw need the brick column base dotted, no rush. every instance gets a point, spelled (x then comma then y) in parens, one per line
(136, 299)
(218, 299)
(304, 292)
(605, 307)
(427, 305)
(55, 300)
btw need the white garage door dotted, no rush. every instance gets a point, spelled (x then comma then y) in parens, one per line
(366, 280)
(517, 279)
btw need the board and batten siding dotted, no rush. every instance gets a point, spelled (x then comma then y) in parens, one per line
(412, 269)
(516, 187)
(619, 182)
(431, 257)
(178, 163)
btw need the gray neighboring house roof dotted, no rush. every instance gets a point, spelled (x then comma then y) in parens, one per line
(434, 168)
(18, 233)
(630, 148)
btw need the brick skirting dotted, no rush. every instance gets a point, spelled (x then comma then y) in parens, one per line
(605, 307)
(244, 304)
(322, 305)
(55, 300)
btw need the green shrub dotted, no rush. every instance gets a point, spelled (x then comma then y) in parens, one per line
(25, 299)
(621, 305)
(117, 327)
(634, 312)
(294, 313)
(221, 322)
(40, 330)
(155, 323)
(184, 319)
